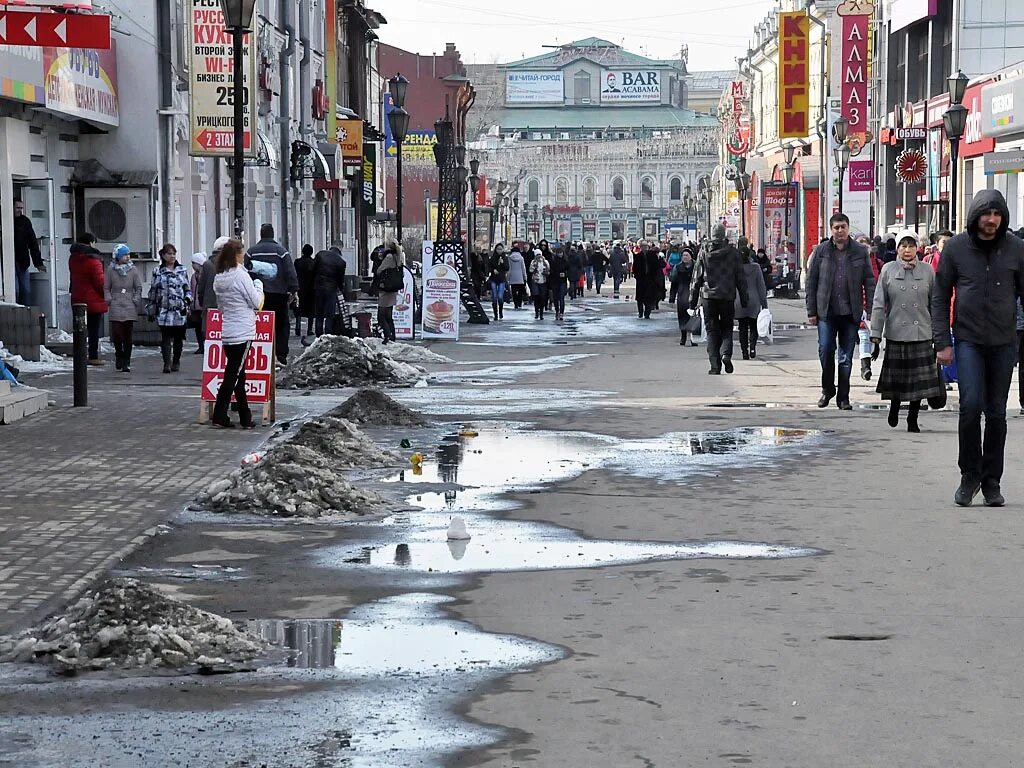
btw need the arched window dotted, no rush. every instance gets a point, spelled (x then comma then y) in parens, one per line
(589, 191)
(617, 189)
(562, 191)
(675, 189)
(647, 190)
(533, 191)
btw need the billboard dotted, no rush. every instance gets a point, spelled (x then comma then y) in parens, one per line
(778, 213)
(628, 85)
(534, 87)
(903, 13)
(794, 75)
(82, 82)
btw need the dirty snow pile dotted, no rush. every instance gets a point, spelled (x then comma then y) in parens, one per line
(408, 353)
(371, 406)
(49, 361)
(337, 361)
(301, 477)
(128, 625)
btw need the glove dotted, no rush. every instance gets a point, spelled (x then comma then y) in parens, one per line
(876, 349)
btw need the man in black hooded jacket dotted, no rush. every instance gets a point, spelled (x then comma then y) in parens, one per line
(985, 266)
(717, 278)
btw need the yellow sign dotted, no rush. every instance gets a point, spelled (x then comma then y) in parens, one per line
(350, 137)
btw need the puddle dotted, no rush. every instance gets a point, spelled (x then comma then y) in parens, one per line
(195, 573)
(583, 324)
(474, 475)
(375, 690)
(484, 402)
(507, 371)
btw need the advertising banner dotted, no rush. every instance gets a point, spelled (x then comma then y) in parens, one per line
(22, 73)
(370, 180)
(854, 73)
(350, 137)
(441, 302)
(794, 75)
(974, 143)
(862, 175)
(405, 311)
(778, 211)
(331, 69)
(418, 145)
(627, 85)
(259, 361)
(534, 88)
(211, 106)
(82, 82)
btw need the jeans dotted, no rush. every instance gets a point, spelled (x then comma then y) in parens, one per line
(748, 334)
(598, 281)
(22, 286)
(718, 315)
(498, 292)
(616, 282)
(93, 322)
(837, 332)
(590, 277)
(234, 382)
(985, 374)
(278, 304)
(326, 306)
(558, 297)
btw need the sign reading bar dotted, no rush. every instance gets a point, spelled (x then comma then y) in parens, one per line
(534, 88)
(627, 85)
(794, 76)
(211, 108)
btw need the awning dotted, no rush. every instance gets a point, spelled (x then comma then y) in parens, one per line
(266, 152)
(308, 162)
(329, 153)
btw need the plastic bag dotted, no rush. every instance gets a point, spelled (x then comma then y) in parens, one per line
(764, 325)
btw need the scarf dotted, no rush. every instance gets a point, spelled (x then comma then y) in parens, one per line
(123, 269)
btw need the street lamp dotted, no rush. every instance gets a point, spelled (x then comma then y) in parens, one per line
(955, 123)
(841, 130)
(742, 185)
(841, 155)
(474, 187)
(398, 120)
(515, 213)
(238, 19)
(787, 176)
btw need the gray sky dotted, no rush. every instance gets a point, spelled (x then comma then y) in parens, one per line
(716, 30)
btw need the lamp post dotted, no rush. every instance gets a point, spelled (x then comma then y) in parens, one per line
(787, 177)
(474, 188)
(398, 120)
(238, 20)
(515, 214)
(841, 155)
(742, 185)
(955, 123)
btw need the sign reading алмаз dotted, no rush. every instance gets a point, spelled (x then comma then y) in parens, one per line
(211, 108)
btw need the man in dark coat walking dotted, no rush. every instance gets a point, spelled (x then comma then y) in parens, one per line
(717, 278)
(26, 252)
(278, 289)
(984, 266)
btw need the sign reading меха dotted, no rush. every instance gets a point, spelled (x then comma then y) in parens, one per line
(619, 85)
(534, 87)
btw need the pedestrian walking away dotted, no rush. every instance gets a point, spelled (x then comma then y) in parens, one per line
(598, 268)
(984, 267)
(239, 297)
(757, 294)
(328, 288)
(840, 288)
(619, 266)
(717, 278)
(902, 316)
(170, 302)
(26, 254)
(517, 275)
(576, 271)
(305, 309)
(122, 289)
(280, 285)
(389, 279)
(87, 282)
(196, 320)
(540, 270)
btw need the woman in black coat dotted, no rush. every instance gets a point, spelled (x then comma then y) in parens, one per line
(557, 282)
(682, 275)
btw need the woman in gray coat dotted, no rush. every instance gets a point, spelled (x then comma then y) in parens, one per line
(122, 289)
(394, 258)
(758, 300)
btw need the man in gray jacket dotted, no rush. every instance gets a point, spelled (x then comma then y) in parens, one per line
(840, 288)
(985, 267)
(717, 280)
(278, 289)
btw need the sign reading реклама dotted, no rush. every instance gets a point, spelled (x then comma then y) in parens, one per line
(211, 108)
(534, 88)
(619, 85)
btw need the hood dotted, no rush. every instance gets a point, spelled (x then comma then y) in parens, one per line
(985, 200)
(516, 256)
(81, 249)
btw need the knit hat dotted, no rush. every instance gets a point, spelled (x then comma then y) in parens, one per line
(121, 251)
(199, 258)
(718, 233)
(220, 242)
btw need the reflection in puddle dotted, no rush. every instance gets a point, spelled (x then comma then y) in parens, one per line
(584, 324)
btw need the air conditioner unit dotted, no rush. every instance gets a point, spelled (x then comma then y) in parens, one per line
(120, 215)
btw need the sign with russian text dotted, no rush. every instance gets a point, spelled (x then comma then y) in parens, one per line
(856, 30)
(404, 313)
(259, 360)
(82, 82)
(441, 302)
(534, 88)
(628, 85)
(778, 212)
(794, 76)
(861, 174)
(211, 105)
(350, 137)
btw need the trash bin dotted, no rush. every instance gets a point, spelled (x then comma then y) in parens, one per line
(39, 291)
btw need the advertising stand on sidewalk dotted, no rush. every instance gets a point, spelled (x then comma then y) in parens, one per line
(441, 302)
(260, 387)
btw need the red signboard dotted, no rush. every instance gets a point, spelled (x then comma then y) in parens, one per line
(856, 30)
(55, 30)
(259, 362)
(974, 144)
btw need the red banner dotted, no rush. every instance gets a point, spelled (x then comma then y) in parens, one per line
(259, 362)
(794, 76)
(855, 72)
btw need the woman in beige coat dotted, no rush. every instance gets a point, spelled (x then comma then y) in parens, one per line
(394, 259)
(902, 314)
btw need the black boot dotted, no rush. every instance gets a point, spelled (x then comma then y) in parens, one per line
(753, 350)
(894, 413)
(746, 352)
(117, 360)
(165, 353)
(912, 411)
(494, 309)
(682, 338)
(501, 311)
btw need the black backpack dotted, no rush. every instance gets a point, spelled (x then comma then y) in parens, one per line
(391, 280)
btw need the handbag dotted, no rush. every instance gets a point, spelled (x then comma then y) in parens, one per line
(693, 325)
(391, 280)
(938, 402)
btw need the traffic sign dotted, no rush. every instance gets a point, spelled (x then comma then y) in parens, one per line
(259, 361)
(55, 30)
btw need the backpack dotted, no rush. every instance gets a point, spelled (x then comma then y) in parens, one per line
(391, 280)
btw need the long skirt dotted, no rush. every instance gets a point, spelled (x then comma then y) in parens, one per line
(909, 372)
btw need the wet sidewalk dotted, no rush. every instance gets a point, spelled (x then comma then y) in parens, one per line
(84, 486)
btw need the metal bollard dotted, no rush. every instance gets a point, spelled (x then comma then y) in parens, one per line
(80, 346)
(42, 330)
